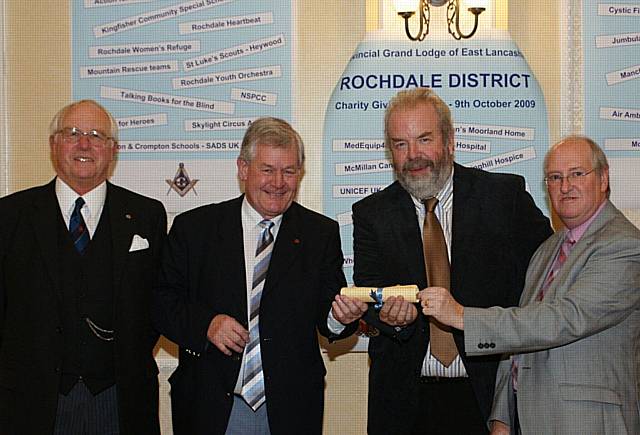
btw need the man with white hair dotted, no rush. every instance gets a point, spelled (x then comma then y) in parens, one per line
(78, 257)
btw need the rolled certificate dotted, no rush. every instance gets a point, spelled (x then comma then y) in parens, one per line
(379, 295)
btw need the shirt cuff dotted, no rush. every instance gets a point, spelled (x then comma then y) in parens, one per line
(334, 326)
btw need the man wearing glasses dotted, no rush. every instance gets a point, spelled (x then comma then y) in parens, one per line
(574, 339)
(78, 257)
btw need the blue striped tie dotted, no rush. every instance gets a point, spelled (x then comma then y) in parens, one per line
(78, 228)
(253, 380)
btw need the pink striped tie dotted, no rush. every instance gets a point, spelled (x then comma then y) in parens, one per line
(557, 264)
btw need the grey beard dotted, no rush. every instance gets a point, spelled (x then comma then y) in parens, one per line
(427, 186)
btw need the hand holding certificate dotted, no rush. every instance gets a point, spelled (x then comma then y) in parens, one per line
(379, 295)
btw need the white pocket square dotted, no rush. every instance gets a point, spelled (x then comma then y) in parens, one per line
(138, 243)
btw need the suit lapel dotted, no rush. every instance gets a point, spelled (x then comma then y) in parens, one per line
(607, 213)
(288, 246)
(405, 234)
(232, 243)
(465, 213)
(540, 267)
(46, 213)
(584, 244)
(123, 224)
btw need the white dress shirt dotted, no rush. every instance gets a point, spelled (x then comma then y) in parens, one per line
(251, 233)
(92, 208)
(444, 212)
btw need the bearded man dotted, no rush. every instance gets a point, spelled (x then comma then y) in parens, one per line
(469, 230)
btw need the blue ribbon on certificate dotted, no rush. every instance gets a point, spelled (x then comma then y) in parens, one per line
(376, 295)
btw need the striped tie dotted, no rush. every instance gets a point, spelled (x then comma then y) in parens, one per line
(555, 267)
(253, 380)
(77, 228)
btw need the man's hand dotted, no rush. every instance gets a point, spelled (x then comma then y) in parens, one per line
(499, 428)
(227, 334)
(346, 310)
(397, 311)
(438, 302)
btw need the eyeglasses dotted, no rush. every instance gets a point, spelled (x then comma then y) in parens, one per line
(572, 177)
(72, 135)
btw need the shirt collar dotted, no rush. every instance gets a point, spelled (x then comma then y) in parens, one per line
(576, 233)
(442, 196)
(94, 199)
(250, 214)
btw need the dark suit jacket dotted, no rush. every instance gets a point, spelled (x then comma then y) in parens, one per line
(496, 228)
(203, 274)
(31, 334)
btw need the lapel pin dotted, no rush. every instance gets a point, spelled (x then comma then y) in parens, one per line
(296, 241)
(127, 216)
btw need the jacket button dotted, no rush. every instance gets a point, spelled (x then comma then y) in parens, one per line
(59, 329)
(228, 394)
(57, 369)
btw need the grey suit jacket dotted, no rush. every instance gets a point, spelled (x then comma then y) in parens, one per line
(579, 365)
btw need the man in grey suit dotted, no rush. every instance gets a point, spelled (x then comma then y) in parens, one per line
(574, 339)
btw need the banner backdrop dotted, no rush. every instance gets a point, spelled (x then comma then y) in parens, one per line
(184, 80)
(611, 33)
(498, 108)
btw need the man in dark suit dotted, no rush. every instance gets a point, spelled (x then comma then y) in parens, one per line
(77, 260)
(245, 285)
(485, 225)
